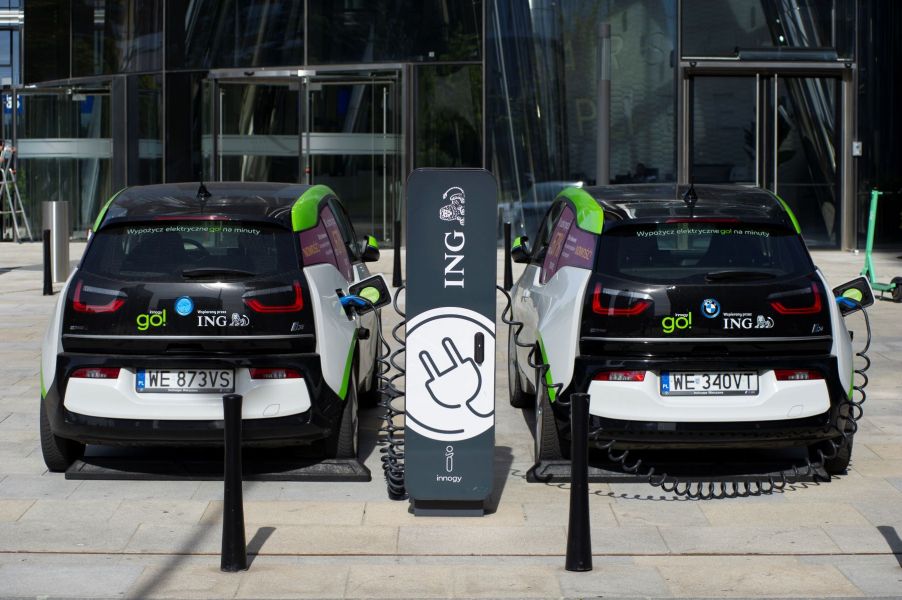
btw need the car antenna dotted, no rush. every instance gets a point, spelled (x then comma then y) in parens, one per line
(202, 194)
(690, 197)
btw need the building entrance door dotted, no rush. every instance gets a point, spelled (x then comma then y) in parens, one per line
(341, 129)
(779, 130)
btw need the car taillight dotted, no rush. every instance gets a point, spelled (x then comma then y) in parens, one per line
(620, 376)
(797, 374)
(112, 306)
(96, 373)
(632, 303)
(258, 373)
(253, 299)
(807, 309)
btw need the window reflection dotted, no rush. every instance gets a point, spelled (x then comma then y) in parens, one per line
(449, 116)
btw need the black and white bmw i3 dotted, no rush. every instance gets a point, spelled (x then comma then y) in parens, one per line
(692, 318)
(187, 292)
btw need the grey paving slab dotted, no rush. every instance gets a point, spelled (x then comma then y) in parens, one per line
(11, 510)
(175, 538)
(292, 513)
(479, 539)
(63, 535)
(618, 581)
(185, 582)
(159, 512)
(37, 486)
(783, 515)
(742, 577)
(663, 514)
(57, 511)
(96, 578)
(267, 580)
(135, 490)
(758, 539)
(873, 575)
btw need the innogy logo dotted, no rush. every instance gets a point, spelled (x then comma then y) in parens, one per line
(710, 308)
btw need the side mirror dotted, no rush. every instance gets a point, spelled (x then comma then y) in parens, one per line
(370, 252)
(373, 289)
(854, 295)
(520, 250)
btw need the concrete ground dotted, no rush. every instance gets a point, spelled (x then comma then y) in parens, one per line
(62, 538)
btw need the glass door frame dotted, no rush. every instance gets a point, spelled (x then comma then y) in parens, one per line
(303, 79)
(844, 72)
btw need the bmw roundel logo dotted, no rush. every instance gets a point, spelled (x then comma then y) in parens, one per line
(184, 306)
(710, 308)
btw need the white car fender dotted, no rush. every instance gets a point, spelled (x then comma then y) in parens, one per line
(335, 332)
(842, 343)
(52, 345)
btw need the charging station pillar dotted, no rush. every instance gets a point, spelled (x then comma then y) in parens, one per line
(449, 439)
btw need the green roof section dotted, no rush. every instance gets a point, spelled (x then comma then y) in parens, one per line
(589, 216)
(792, 216)
(105, 208)
(305, 212)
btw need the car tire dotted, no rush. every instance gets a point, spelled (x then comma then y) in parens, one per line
(547, 438)
(897, 291)
(839, 464)
(518, 398)
(343, 441)
(59, 453)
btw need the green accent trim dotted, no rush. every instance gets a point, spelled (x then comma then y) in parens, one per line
(105, 208)
(372, 242)
(43, 389)
(549, 380)
(518, 241)
(305, 212)
(589, 215)
(792, 216)
(343, 392)
(369, 293)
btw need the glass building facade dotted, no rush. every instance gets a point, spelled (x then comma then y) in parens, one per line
(799, 96)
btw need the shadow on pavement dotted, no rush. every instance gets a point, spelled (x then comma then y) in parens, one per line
(892, 540)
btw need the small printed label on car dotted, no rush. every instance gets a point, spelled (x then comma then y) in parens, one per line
(190, 381)
(742, 383)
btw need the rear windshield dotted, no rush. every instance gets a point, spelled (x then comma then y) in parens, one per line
(702, 253)
(185, 250)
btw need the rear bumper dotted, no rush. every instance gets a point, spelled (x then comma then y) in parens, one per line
(116, 414)
(784, 413)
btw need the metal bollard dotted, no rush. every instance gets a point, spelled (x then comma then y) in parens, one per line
(579, 539)
(234, 547)
(508, 264)
(48, 285)
(396, 279)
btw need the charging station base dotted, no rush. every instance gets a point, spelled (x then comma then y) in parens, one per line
(445, 508)
(558, 471)
(196, 464)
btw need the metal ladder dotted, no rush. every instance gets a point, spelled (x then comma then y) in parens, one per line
(13, 219)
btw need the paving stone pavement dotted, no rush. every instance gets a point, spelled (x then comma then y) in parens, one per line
(131, 539)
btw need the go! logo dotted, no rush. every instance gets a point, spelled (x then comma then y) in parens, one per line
(154, 319)
(683, 321)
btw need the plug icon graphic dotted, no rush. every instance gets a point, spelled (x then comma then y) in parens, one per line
(457, 385)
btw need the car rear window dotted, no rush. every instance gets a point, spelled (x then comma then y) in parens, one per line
(700, 252)
(178, 250)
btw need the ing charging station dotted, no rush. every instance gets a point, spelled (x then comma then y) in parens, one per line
(449, 440)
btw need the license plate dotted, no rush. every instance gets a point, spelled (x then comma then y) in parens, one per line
(190, 381)
(742, 383)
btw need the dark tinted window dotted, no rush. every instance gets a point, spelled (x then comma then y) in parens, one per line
(47, 42)
(700, 252)
(166, 250)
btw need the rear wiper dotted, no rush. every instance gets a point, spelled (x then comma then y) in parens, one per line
(212, 271)
(729, 274)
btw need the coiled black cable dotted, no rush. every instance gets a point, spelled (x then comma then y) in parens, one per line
(390, 395)
(846, 424)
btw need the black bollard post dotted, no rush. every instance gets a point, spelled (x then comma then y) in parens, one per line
(396, 279)
(508, 263)
(579, 540)
(234, 547)
(48, 279)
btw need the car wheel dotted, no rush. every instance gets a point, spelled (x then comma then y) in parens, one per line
(518, 398)
(547, 439)
(897, 290)
(343, 441)
(59, 453)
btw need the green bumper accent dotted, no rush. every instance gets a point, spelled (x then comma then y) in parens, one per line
(43, 389)
(372, 242)
(105, 208)
(589, 215)
(305, 212)
(549, 380)
(792, 216)
(345, 380)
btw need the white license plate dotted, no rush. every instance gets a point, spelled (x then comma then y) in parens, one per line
(190, 381)
(737, 383)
